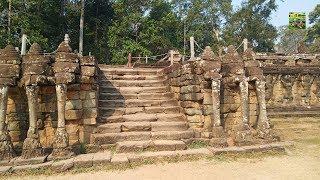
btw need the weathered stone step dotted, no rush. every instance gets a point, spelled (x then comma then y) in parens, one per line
(123, 71)
(148, 110)
(131, 103)
(112, 138)
(143, 117)
(156, 145)
(131, 77)
(142, 96)
(134, 90)
(142, 126)
(132, 83)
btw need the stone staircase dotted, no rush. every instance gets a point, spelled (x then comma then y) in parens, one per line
(137, 112)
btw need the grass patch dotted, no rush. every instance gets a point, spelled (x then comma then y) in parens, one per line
(314, 141)
(198, 145)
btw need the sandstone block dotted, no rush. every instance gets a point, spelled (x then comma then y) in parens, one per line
(190, 89)
(65, 78)
(191, 96)
(190, 104)
(119, 159)
(8, 81)
(47, 90)
(73, 95)
(73, 114)
(88, 61)
(83, 160)
(91, 121)
(66, 67)
(193, 111)
(88, 80)
(175, 89)
(90, 113)
(73, 105)
(64, 165)
(195, 119)
(101, 158)
(90, 103)
(88, 71)
(86, 87)
(9, 71)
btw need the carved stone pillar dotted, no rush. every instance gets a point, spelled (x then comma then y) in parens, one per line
(31, 145)
(233, 71)
(287, 83)
(65, 69)
(263, 122)
(216, 83)
(6, 147)
(211, 66)
(244, 93)
(61, 147)
(35, 67)
(306, 83)
(9, 73)
(255, 74)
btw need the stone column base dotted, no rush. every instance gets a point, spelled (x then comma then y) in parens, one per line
(218, 137)
(32, 149)
(6, 148)
(61, 153)
(61, 149)
(243, 136)
(267, 135)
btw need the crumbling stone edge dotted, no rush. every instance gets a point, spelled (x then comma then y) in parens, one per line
(127, 159)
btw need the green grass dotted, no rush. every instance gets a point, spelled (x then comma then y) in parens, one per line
(198, 145)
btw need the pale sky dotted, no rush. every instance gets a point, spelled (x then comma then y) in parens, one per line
(280, 17)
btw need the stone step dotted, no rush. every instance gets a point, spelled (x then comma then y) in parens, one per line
(105, 111)
(156, 145)
(132, 83)
(112, 138)
(143, 117)
(142, 96)
(142, 126)
(134, 90)
(123, 71)
(134, 103)
(131, 77)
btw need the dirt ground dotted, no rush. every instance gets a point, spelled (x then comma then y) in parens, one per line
(301, 162)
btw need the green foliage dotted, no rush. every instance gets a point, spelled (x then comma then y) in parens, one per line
(251, 21)
(114, 28)
(314, 30)
(290, 39)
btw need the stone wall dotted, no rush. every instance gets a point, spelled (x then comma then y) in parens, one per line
(219, 95)
(81, 109)
(292, 83)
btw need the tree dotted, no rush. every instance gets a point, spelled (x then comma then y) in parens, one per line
(290, 39)
(314, 30)
(251, 21)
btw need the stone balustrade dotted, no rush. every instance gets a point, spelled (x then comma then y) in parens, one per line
(292, 83)
(223, 97)
(46, 102)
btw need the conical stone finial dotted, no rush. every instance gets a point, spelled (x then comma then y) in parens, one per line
(231, 50)
(208, 54)
(9, 50)
(248, 55)
(232, 55)
(35, 49)
(64, 46)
